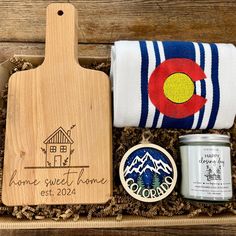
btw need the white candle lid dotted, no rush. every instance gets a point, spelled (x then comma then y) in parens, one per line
(192, 138)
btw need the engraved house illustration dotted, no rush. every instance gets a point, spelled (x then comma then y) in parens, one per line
(58, 148)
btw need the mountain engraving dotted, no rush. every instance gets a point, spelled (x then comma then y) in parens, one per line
(141, 164)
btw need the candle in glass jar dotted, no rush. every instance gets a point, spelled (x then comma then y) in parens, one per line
(206, 167)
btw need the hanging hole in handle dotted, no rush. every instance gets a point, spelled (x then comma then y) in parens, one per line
(60, 13)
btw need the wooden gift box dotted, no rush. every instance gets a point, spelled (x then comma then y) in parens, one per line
(8, 222)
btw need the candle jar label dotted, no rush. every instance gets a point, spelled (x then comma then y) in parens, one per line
(209, 171)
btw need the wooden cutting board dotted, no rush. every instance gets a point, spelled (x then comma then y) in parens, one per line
(58, 136)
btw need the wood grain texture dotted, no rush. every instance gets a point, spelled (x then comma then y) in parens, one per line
(43, 162)
(229, 230)
(93, 52)
(104, 21)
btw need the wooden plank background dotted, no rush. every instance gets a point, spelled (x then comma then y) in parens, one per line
(101, 22)
(161, 231)
(93, 51)
(104, 21)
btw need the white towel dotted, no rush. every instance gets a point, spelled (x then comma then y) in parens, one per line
(173, 84)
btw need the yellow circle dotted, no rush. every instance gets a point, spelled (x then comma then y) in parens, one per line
(178, 88)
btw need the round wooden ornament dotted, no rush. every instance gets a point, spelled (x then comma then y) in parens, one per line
(148, 172)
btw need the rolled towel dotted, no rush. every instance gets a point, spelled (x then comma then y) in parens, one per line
(185, 85)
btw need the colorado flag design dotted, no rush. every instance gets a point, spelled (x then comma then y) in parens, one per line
(174, 84)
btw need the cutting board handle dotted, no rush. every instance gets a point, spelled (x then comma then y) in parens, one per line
(61, 34)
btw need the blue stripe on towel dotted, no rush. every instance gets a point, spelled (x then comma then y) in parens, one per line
(178, 50)
(144, 83)
(158, 61)
(203, 85)
(215, 84)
